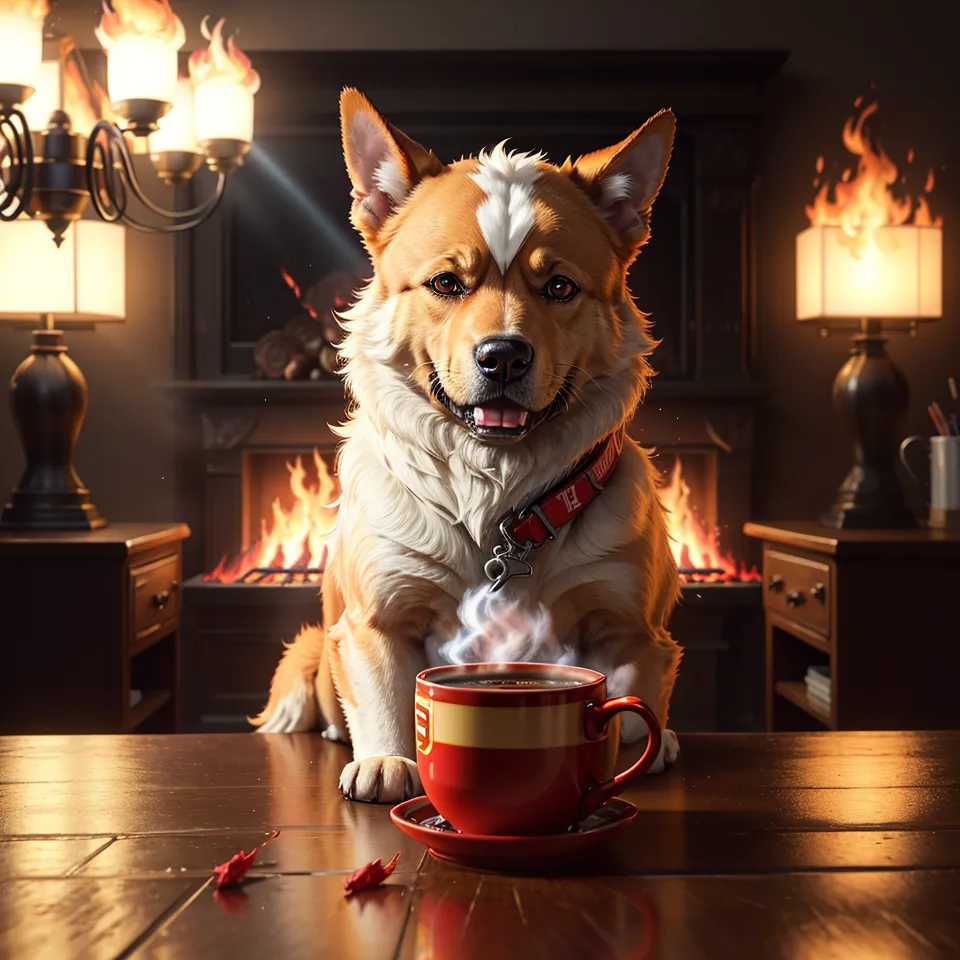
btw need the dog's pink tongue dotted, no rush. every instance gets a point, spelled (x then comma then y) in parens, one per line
(486, 417)
(492, 417)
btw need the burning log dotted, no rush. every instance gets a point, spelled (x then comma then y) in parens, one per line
(308, 331)
(274, 352)
(330, 359)
(334, 292)
(306, 347)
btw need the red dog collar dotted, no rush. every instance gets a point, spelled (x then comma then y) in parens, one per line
(539, 522)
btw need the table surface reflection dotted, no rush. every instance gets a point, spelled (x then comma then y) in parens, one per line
(783, 845)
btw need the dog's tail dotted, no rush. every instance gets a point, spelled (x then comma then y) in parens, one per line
(293, 706)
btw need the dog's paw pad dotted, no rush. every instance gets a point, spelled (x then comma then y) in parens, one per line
(380, 780)
(669, 751)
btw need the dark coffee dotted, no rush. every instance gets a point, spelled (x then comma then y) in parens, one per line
(509, 682)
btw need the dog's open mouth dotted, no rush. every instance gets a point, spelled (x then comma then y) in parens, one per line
(501, 416)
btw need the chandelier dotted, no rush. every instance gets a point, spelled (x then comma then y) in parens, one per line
(52, 171)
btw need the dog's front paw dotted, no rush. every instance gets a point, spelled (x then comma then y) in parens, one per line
(669, 751)
(380, 780)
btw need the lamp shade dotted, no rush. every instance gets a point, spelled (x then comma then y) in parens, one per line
(224, 111)
(48, 96)
(85, 279)
(898, 273)
(21, 43)
(177, 132)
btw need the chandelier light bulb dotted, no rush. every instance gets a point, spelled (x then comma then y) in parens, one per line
(21, 48)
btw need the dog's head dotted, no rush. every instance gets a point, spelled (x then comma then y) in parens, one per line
(505, 275)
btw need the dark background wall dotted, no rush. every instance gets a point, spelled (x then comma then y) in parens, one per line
(125, 452)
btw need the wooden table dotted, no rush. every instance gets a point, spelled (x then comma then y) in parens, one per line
(785, 845)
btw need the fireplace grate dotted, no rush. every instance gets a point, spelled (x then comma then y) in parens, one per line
(273, 576)
(281, 576)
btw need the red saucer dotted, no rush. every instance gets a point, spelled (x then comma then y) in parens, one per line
(503, 853)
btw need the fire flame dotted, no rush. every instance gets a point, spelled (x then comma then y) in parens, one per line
(295, 287)
(864, 202)
(297, 538)
(35, 9)
(221, 60)
(694, 548)
(148, 18)
(84, 99)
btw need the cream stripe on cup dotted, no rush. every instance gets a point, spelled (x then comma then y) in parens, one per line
(505, 728)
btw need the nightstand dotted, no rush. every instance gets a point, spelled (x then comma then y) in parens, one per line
(880, 609)
(90, 630)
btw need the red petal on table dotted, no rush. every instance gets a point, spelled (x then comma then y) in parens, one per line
(230, 874)
(370, 875)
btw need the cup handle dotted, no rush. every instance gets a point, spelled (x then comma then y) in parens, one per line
(598, 716)
(904, 447)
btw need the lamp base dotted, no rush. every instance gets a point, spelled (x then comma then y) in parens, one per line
(48, 396)
(872, 395)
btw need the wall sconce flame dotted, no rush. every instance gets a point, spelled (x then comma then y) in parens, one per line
(145, 18)
(221, 59)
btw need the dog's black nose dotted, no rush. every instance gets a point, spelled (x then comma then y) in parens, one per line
(504, 359)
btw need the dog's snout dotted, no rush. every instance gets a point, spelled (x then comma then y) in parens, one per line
(504, 359)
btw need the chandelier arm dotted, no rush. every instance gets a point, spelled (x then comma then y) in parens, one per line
(18, 145)
(208, 209)
(109, 199)
(121, 157)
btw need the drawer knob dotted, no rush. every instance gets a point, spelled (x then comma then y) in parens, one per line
(795, 598)
(819, 592)
(775, 583)
(161, 599)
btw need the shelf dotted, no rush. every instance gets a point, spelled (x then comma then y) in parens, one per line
(799, 632)
(152, 701)
(796, 693)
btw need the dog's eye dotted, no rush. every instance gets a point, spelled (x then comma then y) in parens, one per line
(446, 285)
(560, 289)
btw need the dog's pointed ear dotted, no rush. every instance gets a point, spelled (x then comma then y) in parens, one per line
(624, 180)
(384, 164)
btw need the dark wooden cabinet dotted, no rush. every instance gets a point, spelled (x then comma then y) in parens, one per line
(90, 630)
(878, 609)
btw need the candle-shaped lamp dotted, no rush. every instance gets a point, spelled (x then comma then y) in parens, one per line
(224, 87)
(173, 148)
(141, 39)
(21, 48)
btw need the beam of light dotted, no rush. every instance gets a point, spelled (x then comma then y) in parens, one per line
(331, 230)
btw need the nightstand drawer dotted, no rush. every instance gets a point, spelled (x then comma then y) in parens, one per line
(154, 597)
(799, 589)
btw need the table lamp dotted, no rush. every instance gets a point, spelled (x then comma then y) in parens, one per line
(80, 282)
(861, 263)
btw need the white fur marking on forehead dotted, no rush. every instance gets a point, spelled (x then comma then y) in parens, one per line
(506, 216)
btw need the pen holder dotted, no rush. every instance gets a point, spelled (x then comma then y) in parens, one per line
(944, 453)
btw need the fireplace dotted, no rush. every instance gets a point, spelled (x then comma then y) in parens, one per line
(285, 230)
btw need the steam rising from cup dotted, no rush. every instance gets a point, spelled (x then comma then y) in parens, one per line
(495, 629)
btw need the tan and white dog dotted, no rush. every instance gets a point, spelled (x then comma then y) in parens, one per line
(496, 346)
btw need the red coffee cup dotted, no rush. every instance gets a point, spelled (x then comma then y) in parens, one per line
(509, 749)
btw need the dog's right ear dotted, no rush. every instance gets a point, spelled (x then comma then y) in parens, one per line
(384, 164)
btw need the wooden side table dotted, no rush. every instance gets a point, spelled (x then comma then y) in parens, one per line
(880, 608)
(90, 630)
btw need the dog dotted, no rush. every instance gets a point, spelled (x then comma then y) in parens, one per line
(494, 360)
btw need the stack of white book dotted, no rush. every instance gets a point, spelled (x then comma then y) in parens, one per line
(818, 686)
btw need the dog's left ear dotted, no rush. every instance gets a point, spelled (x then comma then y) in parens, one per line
(384, 164)
(624, 180)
